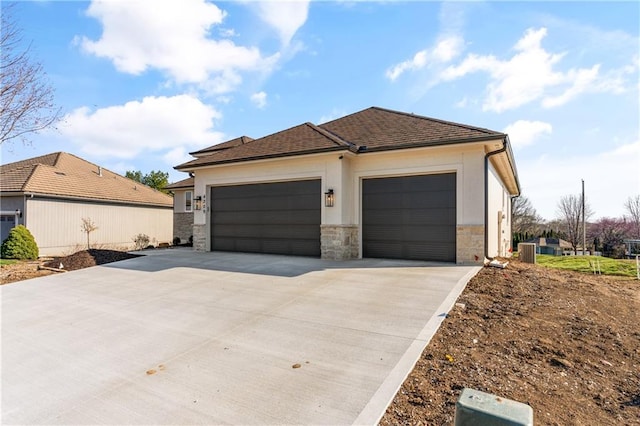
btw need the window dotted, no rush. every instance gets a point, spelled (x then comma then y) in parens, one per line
(188, 196)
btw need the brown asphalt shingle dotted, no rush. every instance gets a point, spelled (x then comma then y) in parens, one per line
(65, 175)
(374, 128)
(378, 128)
(182, 184)
(224, 145)
(303, 139)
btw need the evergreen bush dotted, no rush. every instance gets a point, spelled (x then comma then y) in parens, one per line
(20, 245)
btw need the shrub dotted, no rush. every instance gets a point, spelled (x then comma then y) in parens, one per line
(20, 244)
(176, 241)
(141, 241)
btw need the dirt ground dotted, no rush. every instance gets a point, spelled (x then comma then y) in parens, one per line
(567, 344)
(83, 259)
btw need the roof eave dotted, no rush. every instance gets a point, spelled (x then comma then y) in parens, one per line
(93, 199)
(187, 167)
(427, 144)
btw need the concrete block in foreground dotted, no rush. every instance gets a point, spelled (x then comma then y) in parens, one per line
(479, 409)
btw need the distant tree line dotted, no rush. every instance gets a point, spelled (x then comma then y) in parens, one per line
(604, 235)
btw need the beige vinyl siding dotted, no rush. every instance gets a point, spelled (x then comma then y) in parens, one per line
(56, 225)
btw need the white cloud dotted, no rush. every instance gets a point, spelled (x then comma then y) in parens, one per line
(445, 50)
(531, 75)
(259, 99)
(609, 176)
(173, 37)
(177, 156)
(153, 125)
(286, 17)
(524, 132)
(418, 61)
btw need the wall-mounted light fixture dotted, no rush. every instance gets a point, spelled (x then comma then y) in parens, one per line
(198, 203)
(329, 198)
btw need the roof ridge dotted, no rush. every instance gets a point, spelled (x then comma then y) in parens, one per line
(30, 162)
(345, 116)
(424, 117)
(330, 135)
(33, 172)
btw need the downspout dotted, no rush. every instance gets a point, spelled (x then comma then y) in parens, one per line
(486, 194)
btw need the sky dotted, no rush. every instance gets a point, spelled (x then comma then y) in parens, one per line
(141, 84)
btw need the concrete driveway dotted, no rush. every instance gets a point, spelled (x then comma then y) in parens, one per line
(179, 337)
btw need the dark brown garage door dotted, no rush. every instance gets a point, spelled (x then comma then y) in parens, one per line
(410, 217)
(277, 218)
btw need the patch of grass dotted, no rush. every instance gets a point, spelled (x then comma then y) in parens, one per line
(7, 262)
(620, 267)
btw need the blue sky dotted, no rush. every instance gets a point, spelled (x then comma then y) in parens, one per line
(142, 83)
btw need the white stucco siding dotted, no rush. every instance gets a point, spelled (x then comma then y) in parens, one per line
(344, 171)
(179, 200)
(499, 216)
(56, 225)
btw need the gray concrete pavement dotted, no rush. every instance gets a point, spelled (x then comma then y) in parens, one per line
(179, 337)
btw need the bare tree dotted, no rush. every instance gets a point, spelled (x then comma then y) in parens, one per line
(524, 217)
(610, 233)
(88, 227)
(632, 205)
(570, 218)
(26, 98)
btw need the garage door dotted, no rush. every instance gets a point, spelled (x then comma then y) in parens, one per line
(410, 217)
(277, 218)
(6, 224)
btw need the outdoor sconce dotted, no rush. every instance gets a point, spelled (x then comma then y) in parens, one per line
(198, 203)
(329, 198)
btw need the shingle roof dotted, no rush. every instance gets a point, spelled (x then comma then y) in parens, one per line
(65, 175)
(224, 145)
(184, 183)
(368, 130)
(306, 138)
(379, 128)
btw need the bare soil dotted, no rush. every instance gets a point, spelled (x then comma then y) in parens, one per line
(566, 343)
(83, 259)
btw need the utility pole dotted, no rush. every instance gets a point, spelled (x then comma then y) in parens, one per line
(584, 225)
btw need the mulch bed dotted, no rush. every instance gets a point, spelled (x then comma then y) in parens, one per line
(87, 258)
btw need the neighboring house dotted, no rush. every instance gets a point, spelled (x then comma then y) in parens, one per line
(554, 246)
(53, 193)
(376, 183)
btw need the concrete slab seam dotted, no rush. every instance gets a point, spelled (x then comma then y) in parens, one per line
(377, 405)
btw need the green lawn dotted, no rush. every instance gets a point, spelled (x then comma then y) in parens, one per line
(621, 267)
(7, 262)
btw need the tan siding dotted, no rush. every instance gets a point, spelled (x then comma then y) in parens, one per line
(56, 225)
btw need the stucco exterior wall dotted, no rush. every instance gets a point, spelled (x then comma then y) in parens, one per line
(344, 171)
(179, 196)
(56, 224)
(499, 216)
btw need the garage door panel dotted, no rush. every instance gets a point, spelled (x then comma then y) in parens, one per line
(302, 217)
(279, 218)
(411, 217)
